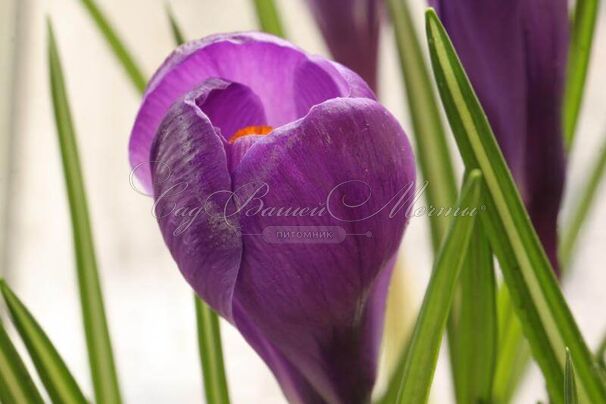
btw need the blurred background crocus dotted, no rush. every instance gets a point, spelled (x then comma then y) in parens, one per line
(351, 29)
(248, 131)
(515, 55)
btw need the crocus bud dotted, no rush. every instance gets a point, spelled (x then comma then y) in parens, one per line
(515, 55)
(351, 29)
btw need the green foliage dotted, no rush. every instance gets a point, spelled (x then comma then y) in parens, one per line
(100, 354)
(545, 317)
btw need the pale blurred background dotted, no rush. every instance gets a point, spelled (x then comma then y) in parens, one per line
(149, 305)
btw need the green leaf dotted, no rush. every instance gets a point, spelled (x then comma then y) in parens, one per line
(116, 44)
(100, 354)
(176, 30)
(16, 385)
(268, 17)
(581, 210)
(432, 150)
(476, 331)
(546, 319)
(211, 354)
(422, 354)
(570, 386)
(209, 331)
(514, 352)
(60, 384)
(601, 356)
(579, 54)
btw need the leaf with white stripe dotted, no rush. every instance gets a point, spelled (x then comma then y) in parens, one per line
(546, 319)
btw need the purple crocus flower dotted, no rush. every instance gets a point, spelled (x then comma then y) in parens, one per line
(281, 189)
(351, 30)
(515, 55)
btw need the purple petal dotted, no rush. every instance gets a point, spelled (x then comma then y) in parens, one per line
(349, 82)
(190, 165)
(229, 106)
(317, 303)
(351, 30)
(293, 384)
(273, 69)
(312, 85)
(515, 55)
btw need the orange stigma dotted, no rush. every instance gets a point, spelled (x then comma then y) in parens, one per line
(260, 130)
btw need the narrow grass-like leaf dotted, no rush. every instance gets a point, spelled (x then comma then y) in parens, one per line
(579, 55)
(513, 353)
(601, 356)
(582, 208)
(211, 354)
(422, 354)
(116, 44)
(432, 150)
(60, 384)
(570, 386)
(476, 331)
(174, 26)
(16, 385)
(101, 358)
(269, 17)
(583, 28)
(546, 319)
(207, 323)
